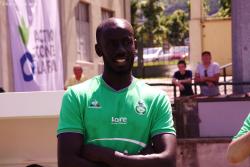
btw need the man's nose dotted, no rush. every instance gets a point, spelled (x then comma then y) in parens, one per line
(121, 49)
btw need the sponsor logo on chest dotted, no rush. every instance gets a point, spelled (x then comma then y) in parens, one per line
(119, 120)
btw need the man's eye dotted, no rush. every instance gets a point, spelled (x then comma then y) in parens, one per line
(127, 42)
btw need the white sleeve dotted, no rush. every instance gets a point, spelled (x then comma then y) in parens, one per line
(216, 68)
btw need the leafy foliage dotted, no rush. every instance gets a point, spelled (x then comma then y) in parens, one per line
(149, 20)
(153, 27)
(177, 26)
(225, 8)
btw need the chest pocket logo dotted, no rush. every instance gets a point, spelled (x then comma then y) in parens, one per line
(95, 104)
(140, 108)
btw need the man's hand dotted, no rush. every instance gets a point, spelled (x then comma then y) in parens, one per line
(164, 154)
(210, 84)
(69, 151)
(181, 86)
(95, 153)
(202, 79)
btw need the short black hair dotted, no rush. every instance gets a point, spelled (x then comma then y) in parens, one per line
(182, 62)
(110, 21)
(104, 24)
(206, 53)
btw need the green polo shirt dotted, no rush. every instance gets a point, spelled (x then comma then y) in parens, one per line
(123, 120)
(244, 129)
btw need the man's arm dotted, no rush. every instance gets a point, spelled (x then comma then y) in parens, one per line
(189, 77)
(197, 78)
(214, 78)
(188, 80)
(165, 151)
(69, 150)
(177, 82)
(239, 149)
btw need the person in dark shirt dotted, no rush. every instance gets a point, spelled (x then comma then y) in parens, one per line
(183, 79)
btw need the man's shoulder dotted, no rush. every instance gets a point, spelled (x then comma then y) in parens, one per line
(247, 120)
(188, 72)
(87, 85)
(199, 67)
(215, 64)
(176, 73)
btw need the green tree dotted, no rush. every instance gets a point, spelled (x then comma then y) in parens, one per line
(177, 28)
(206, 7)
(225, 8)
(149, 20)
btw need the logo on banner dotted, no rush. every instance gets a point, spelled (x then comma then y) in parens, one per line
(26, 61)
(36, 45)
(27, 66)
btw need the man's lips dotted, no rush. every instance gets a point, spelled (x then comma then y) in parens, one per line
(120, 60)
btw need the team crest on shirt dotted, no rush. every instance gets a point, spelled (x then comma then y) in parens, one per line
(95, 104)
(140, 108)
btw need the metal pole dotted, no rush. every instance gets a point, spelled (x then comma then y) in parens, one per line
(175, 92)
(195, 88)
(224, 76)
(140, 58)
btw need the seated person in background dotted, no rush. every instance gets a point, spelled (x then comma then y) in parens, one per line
(207, 75)
(239, 148)
(183, 79)
(77, 78)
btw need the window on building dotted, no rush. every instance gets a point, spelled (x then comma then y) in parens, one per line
(106, 14)
(83, 31)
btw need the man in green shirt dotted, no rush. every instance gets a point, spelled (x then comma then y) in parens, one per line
(115, 119)
(239, 148)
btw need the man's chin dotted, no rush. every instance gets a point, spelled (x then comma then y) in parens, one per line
(123, 71)
(120, 71)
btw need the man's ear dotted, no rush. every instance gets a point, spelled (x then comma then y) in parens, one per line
(98, 50)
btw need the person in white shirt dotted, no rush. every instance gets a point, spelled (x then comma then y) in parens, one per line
(207, 75)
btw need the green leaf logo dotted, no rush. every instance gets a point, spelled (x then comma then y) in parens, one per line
(24, 32)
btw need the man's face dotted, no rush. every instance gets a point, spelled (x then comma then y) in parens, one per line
(118, 49)
(181, 67)
(206, 59)
(78, 71)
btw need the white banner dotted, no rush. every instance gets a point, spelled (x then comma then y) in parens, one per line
(36, 44)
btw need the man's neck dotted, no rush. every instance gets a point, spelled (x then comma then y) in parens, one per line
(78, 78)
(207, 65)
(183, 72)
(117, 81)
